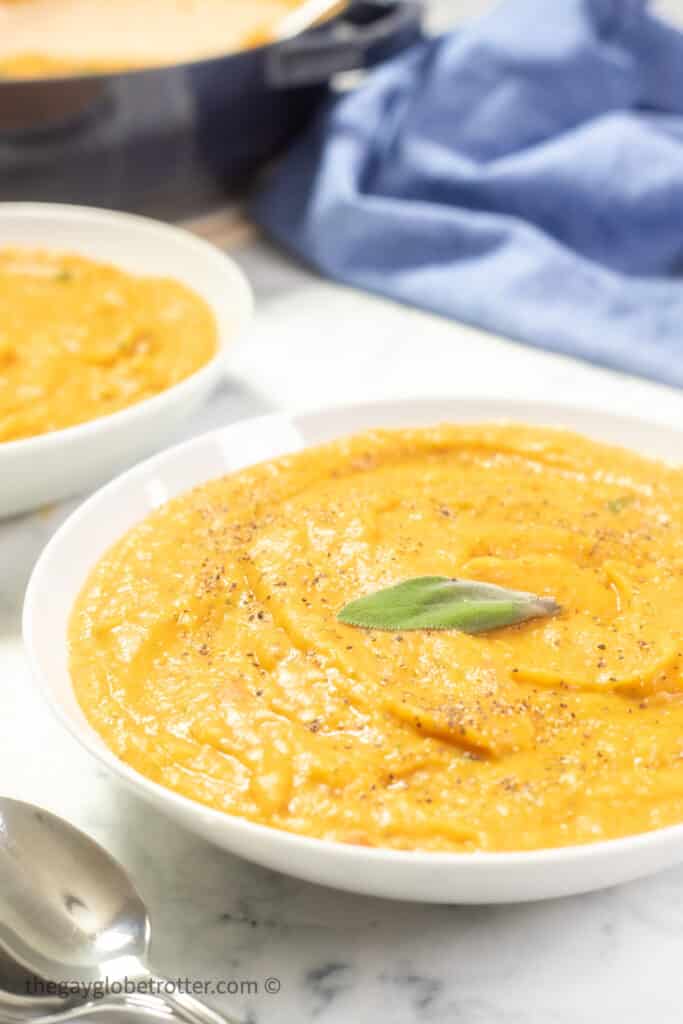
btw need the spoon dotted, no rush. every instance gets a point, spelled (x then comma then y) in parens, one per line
(69, 912)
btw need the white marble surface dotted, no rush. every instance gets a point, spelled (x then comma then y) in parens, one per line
(612, 958)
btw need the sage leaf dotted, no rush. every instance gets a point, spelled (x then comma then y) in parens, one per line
(440, 602)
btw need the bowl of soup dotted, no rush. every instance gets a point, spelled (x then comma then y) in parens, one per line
(199, 650)
(114, 328)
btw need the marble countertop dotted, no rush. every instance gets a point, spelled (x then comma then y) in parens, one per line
(608, 957)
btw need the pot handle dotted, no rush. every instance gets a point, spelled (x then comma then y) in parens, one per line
(368, 33)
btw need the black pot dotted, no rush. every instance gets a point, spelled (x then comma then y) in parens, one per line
(172, 140)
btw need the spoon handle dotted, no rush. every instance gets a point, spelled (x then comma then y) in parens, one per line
(190, 1009)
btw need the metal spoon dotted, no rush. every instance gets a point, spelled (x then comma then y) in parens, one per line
(69, 912)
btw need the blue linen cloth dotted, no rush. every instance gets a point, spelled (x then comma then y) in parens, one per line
(523, 174)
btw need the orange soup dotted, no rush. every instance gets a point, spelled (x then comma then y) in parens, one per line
(207, 652)
(80, 339)
(67, 37)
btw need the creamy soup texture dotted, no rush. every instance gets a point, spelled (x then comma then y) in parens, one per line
(81, 339)
(206, 650)
(62, 36)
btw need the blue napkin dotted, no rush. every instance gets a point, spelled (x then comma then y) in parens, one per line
(524, 174)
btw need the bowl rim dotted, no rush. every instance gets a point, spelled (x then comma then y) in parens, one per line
(91, 741)
(71, 212)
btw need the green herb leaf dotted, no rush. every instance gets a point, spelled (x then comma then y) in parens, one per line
(618, 505)
(439, 602)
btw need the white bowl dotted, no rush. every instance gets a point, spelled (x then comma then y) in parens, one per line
(51, 466)
(433, 877)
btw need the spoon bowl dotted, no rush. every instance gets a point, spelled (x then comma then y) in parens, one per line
(66, 907)
(70, 914)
